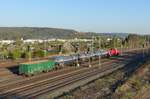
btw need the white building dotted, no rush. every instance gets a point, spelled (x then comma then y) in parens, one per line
(6, 41)
(41, 41)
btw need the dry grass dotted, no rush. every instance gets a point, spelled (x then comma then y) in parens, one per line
(137, 87)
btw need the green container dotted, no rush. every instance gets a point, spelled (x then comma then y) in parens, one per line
(31, 68)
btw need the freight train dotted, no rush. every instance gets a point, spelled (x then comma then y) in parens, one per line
(32, 68)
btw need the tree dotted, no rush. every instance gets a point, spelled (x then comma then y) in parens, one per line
(134, 41)
(115, 42)
(15, 54)
(67, 47)
(4, 54)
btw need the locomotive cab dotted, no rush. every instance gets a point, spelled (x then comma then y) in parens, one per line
(113, 52)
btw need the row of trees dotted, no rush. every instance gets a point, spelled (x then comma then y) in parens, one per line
(131, 41)
(17, 54)
(19, 50)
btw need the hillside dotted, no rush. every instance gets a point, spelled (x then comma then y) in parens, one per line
(35, 33)
(45, 33)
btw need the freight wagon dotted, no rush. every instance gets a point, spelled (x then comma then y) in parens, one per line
(31, 68)
(65, 60)
(34, 67)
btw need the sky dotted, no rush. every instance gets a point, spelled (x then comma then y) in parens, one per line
(132, 16)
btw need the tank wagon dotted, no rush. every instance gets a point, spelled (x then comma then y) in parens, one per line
(67, 60)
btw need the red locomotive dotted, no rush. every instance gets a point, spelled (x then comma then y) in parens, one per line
(113, 52)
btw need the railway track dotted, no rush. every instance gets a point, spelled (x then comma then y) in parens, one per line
(40, 79)
(34, 87)
(40, 94)
(8, 91)
(26, 88)
(34, 92)
(6, 72)
(15, 80)
(40, 76)
(49, 88)
(14, 70)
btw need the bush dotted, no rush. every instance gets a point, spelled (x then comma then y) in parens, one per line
(39, 53)
(26, 55)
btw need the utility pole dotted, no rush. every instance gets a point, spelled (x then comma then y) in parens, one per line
(92, 44)
(45, 48)
(78, 48)
(100, 51)
(78, 65)
(121, 47)
(60, 49)
(143, 48)
(92, 50)
(146, 45)
(29, 53)
(114, 41)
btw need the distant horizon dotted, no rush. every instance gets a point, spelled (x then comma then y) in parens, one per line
(70, 29)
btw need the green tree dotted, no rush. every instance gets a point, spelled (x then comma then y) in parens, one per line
(16, 54)
(134, 41)
(115, 42)
(4, 54)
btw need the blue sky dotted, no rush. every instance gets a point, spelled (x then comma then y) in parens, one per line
(82, 15)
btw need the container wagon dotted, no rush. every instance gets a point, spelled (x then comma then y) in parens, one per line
(34, 67)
